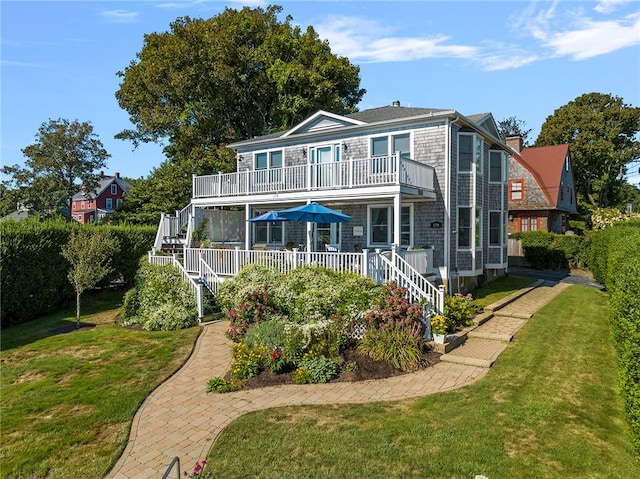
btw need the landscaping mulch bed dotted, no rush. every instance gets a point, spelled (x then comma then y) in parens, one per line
(367, 369)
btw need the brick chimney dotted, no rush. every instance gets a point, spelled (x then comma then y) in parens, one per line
(117, 175)
(515, 143)
(396, 103)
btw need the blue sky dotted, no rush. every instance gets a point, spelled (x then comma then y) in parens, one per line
(510, 58)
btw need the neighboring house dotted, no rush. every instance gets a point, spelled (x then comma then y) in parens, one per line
(90, 206)
(542, 193)
(409, 177)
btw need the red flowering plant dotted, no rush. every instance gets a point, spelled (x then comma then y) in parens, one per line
(198, 471)
(257, 306)
(277, 361)
(392, 310)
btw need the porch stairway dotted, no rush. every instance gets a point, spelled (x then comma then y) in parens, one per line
(492, 331)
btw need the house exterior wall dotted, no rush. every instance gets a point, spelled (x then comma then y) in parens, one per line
(567, 198)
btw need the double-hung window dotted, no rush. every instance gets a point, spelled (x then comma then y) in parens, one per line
(465, 152)
(114, 189)
(495, 228)
(381, 225)
(464, 227)
(109, 203)
(269, 233)
(496, 166)
(516, 190)
(268, 166)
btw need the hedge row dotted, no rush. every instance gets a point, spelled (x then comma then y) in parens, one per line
(33, 273)
(616, 260)
(545, 250)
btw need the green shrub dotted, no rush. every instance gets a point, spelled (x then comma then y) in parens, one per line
(459, 309)
(545, 250)
(233, 292)
(247, 361)
(221, 385)
(318, 369)
(34, 273)
(623, 282)
(161, 300)
(396, 345)
(268, 333)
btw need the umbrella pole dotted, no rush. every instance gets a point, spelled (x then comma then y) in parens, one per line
(309, 237)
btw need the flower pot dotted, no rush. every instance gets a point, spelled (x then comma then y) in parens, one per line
(439, 338)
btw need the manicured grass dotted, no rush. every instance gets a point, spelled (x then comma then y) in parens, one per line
(499, 288)
(68, 398)
(547, 409)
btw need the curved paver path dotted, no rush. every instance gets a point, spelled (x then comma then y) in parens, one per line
(180, 419)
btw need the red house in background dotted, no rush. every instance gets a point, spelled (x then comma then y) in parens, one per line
(542, 193)
(89, 206)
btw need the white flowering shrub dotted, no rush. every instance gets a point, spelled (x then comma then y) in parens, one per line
(602, 218)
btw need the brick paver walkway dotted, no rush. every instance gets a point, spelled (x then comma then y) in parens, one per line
(180, 419)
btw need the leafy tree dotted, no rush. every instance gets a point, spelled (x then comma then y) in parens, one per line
(65, 153)
(602, 132)
(513, 127)
(240, 74)
(89, 253)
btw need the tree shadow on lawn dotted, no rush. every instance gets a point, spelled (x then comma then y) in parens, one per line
(102, 307)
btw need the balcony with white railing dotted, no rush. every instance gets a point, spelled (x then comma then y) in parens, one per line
(353, 173)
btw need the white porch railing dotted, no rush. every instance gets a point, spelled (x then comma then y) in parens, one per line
(170, 227)
(227, 262)
(208, 277)
(379, 171)
(195, 285)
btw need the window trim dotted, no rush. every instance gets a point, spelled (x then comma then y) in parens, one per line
(471, 162)
(499, 227)
(522, 189)
(108, 203)
(468, 247)
(389, 137)
(502, 166)
(114, 189)
(390, 219)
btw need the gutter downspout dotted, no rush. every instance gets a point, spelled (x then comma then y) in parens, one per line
(447, 204)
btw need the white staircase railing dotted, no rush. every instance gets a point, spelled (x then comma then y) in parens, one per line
(208, 277)
(395, 268)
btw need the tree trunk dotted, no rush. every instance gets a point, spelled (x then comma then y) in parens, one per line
(77, 310)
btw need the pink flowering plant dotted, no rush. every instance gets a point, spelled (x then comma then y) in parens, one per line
(198, 471)
(393, 310)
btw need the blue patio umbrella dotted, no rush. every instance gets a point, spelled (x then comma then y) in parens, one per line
(313, 213)
(268, 217)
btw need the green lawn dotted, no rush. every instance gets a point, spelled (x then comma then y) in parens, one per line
(547, 409)
(68, 398)
(499, 288)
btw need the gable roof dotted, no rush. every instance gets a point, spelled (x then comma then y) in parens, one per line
(545, 163)
(323, 121)
(103, 183)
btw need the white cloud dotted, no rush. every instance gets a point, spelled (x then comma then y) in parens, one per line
(367, 41)
(609, 6)
(590, 38)
(12, 63)
(119, 16)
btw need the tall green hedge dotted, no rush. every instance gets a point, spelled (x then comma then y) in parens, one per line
(545, 250)
(617, 253)
(33, 273)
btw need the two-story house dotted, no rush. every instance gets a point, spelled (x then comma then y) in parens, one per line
(90, 206)
(542, 193)
(409, 178)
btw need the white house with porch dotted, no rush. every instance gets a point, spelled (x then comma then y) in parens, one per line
(426, 190)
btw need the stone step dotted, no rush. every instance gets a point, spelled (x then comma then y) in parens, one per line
(475, 352)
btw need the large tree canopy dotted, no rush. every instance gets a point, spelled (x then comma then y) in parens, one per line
(206, 83)
(602, 132)
(241, 74)
(513, 127)
(64, 155)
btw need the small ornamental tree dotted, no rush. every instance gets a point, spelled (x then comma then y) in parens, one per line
(89, 253)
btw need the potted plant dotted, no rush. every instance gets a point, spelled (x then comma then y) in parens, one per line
(439, 326)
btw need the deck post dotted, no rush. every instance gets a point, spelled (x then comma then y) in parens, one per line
(365, 262)
(237, 259)
(295, 258)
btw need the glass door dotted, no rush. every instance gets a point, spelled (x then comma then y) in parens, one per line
(325, 165)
